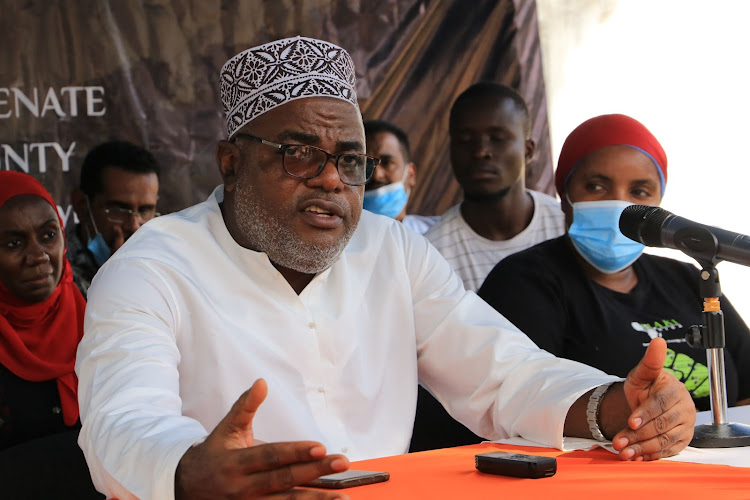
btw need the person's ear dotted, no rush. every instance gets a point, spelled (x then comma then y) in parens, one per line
(567, 209)
(81, 204)
(228, 159)
(411, 177)
(529, 150)
(82, 207)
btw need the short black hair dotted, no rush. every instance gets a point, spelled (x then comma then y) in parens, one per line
(373, 127)
(484, 90)
(120, 154)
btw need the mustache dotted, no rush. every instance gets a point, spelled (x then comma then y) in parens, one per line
(339, 200)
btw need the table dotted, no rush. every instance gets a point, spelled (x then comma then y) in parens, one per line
(450, 473)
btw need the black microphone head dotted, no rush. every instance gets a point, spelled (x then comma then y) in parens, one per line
(643, 223)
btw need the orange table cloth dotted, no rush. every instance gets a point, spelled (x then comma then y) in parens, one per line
(450, 473)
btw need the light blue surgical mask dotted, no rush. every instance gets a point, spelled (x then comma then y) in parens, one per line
(99, 248)
(388, 200)
(596, 235)
(96, 245)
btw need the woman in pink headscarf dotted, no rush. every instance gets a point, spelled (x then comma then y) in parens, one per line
(592, 295)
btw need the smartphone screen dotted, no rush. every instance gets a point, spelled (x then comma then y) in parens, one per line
(349, 479)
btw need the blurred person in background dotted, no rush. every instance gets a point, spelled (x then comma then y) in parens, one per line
(490, 144)
(117, 194)
(388, 190)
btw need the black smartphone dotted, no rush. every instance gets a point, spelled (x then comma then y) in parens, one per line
(349, 479)
(516, 464)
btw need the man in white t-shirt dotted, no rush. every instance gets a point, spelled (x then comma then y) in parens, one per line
(280, 282)
(387, 192)
(490, 146)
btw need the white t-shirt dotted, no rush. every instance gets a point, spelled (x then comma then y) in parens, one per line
(420, 223)
(473, 256)
(182, 320)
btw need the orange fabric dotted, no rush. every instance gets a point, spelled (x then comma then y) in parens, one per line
(450, 473)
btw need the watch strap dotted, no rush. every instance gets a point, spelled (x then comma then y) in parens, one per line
(592, 411)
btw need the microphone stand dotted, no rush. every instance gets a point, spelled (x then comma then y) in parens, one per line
(702, 245)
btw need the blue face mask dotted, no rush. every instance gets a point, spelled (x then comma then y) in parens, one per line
(388, 200)
(96, 245)
(99, 248)
(596, 235)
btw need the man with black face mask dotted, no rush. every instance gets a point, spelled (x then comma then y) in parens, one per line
(490, 147)
(118, 191)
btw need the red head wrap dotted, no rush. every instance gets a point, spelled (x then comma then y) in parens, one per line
(38, 342)
(607, 130)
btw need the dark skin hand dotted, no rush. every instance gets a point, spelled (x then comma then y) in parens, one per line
(228, 465)
(649, 416)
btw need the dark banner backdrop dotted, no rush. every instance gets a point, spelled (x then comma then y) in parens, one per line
(77, 73)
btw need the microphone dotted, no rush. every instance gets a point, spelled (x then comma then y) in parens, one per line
(656, 227)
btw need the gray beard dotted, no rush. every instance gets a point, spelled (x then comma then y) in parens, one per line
(266, 233)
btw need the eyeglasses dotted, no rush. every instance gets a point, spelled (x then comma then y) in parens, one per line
(119, 215)
(391, 165)
(306, 162)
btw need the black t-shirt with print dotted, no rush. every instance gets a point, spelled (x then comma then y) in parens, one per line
(546, 294)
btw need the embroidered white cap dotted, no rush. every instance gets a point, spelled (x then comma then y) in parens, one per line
(264, 77)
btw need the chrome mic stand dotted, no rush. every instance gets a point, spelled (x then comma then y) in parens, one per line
(702, 246)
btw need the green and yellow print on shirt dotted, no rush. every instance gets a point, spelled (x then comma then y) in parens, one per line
(694, 375)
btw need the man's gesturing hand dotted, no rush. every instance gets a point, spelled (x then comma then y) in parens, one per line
(227, 465)
(662, 412)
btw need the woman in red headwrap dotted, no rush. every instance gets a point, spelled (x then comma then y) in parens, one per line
(41, 323)
(592, 295)
(41, 315)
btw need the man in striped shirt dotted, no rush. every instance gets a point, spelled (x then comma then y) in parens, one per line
(491, 143)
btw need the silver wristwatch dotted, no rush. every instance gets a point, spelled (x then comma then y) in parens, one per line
(592, 411)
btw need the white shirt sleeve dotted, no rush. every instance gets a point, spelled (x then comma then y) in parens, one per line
(163, 341)
(129, 385)
(488, 375)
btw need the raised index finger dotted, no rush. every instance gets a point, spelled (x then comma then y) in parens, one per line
(240, 416)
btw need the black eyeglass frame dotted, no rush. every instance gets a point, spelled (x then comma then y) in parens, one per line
(283, 148)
